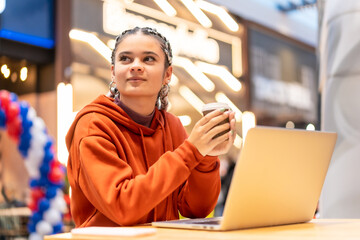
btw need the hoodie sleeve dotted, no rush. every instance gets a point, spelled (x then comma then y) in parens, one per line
(199, 194)
(110, 185)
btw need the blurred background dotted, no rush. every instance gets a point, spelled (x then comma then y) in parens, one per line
(260, 56)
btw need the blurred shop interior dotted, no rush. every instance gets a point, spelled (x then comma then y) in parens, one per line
(219, 56)
(258, 56)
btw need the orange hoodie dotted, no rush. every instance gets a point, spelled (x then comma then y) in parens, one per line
(123, 173)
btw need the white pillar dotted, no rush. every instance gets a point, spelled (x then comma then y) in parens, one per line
(339, 51)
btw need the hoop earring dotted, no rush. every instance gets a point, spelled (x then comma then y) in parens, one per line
(113, 90)
(158, 103)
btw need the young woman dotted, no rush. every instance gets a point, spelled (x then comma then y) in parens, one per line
(130, 161)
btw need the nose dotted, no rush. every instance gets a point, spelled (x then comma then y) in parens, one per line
(137, 66)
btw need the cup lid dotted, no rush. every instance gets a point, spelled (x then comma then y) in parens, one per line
(214, 105)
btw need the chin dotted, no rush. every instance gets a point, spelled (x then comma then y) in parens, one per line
(138, 94)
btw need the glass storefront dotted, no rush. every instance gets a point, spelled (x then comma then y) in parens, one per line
(283, 79)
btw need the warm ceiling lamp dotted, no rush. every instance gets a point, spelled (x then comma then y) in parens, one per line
(166, 7)
(220, 12)
(222, 73)
(197, 13)
(195, 72)
(93, 41)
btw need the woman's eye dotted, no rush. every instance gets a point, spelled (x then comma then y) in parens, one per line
(149, 59)
(124, 58)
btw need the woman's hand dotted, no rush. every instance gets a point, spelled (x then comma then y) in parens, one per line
(228, 141)
(202, 135)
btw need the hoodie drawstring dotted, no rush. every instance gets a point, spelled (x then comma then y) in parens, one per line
(167, 203)
(168, 208)
(146, 162)
(144, 149)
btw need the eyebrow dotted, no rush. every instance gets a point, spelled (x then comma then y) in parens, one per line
(146, 52)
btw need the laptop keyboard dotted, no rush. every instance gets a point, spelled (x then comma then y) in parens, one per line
(213, 222)
(209, 221)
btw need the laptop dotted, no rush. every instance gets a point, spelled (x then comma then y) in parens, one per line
(277, 180)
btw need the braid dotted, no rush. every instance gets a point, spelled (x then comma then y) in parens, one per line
(118, 39)
(164, 43)
(163, 102)
(165, 46)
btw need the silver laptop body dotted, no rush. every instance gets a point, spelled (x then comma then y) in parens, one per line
(277, 180)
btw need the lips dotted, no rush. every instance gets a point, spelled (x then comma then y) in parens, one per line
(135, 79)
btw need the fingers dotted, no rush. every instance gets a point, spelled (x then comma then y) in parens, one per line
(225, 141)
(222, 129)
(222, 144)
(222, 138)
(202, 135)
(210, 121)
(210, 116)
(232, 116)
(233, 123)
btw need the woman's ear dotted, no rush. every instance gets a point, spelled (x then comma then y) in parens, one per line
(167, 75)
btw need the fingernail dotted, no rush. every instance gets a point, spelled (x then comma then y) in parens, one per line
(222, 109)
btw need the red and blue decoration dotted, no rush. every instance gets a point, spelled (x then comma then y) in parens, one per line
(46, 172)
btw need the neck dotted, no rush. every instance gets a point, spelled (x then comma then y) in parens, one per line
(144, 107)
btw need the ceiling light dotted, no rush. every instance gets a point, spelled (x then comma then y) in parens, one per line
(3, 68)
(222, 73)
(23, 73)
(197, 13)
(248, 121)
(221, 97)
(195, 72)
(310, 127)
(111, 43)
(174, 80)
(93, 41)
(65, 117)
(185, 120)
(290, 124)
(220, 12)
(191, 98)
(5, 71)
(166, 7)
(238, 141)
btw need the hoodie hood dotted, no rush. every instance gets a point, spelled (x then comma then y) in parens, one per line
(106, 106)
